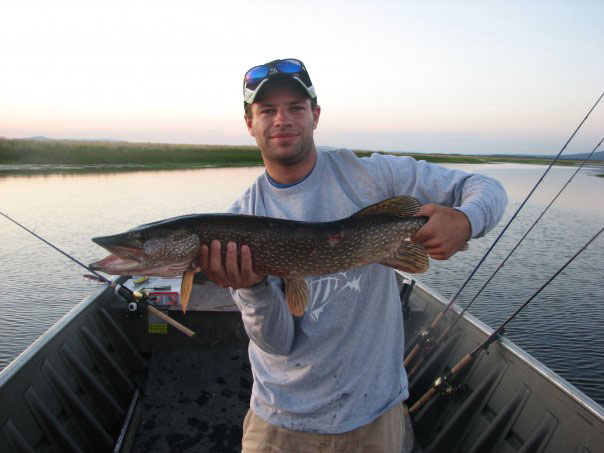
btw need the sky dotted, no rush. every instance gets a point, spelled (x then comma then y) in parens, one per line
(424, 76)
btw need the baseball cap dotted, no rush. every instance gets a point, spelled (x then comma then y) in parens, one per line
(256, 77)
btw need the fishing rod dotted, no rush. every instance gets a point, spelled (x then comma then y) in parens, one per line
(442, 383)
(135, 297)
(425, 335)
(426, 351)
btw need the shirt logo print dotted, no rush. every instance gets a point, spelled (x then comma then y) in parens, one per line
(322, 289)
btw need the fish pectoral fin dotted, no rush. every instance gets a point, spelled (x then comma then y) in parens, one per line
(296, 295)
(409, 257)
(185, 289)
(401, 206)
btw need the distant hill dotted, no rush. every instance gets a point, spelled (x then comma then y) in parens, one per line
(598, 155)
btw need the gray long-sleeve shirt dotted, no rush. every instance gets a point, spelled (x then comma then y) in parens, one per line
(340, 365)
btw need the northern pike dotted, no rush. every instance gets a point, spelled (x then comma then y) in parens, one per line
(289, 249)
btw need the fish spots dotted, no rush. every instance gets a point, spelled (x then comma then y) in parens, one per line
(335, 239)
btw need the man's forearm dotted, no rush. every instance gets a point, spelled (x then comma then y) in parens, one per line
(266, 319)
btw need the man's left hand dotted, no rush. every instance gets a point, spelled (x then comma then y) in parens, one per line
(446, 232)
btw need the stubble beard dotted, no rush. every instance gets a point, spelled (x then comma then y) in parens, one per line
(295, 155)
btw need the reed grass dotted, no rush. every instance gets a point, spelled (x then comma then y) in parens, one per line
(72, 156)
(68, 152)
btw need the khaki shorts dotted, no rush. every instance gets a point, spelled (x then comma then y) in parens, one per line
(391, 432)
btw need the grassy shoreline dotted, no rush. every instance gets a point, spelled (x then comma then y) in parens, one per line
(32, 157)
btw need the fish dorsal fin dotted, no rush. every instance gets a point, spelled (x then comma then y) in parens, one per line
(409, 257)
(402, 206)
(296, 295)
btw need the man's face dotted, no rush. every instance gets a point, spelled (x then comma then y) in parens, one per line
(283, 123)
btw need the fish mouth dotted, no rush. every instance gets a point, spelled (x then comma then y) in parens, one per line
(128, 258)
(116, 265)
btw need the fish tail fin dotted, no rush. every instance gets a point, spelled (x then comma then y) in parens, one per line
(185, 289)
(401, 206)
(409, 257)
(296, 295)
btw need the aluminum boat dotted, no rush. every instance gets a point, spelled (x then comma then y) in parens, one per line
(109, 377)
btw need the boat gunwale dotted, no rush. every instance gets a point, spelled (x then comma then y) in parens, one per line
(47, 337)
(562, 384)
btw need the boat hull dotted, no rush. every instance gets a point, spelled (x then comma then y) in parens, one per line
(99, 380)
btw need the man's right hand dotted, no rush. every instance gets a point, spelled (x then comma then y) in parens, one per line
(232, 274)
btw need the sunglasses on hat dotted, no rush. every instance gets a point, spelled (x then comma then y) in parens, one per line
(257, 76)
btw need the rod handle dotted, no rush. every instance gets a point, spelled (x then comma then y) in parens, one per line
(188, 332)
(437, 320)
(464, 362)
(410, 356)
(423, 400)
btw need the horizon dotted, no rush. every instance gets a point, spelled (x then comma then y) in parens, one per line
(469, 78)
(319, 146)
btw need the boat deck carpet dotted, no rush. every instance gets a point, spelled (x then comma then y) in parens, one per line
(195, 401)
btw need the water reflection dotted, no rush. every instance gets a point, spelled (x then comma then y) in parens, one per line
(584, 193)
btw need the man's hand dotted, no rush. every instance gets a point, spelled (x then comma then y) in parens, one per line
(446, 232)
(233, 274)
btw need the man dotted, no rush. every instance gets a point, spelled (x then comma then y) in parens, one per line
(333, 378)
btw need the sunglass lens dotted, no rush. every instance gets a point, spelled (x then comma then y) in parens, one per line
(289, 66)
(257, 74)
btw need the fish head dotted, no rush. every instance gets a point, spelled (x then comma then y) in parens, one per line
(159, 252)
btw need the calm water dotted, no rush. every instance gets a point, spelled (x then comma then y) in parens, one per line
(562, 327)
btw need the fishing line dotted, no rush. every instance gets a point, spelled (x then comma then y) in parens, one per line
(99, 276)
(442, 384)
(448, 329)
(494, 335)
(135, 296)
(522, 205)
(414, 346)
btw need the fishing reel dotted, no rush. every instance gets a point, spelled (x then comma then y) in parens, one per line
(137, 302)
(426, 339)
(137, 305)
(443, 385)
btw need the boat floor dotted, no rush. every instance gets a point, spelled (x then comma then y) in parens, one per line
(195, 400)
